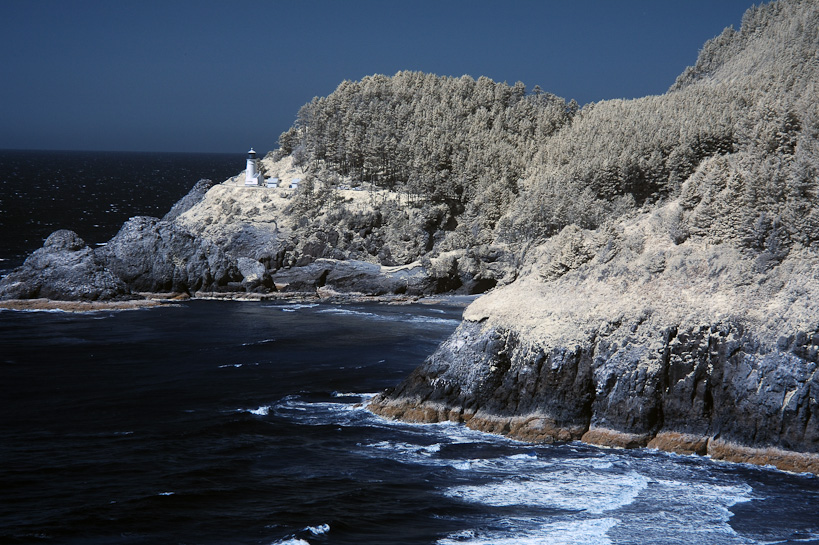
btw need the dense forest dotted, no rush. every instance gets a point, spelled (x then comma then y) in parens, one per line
(735, 140)
(438, 139)
(740, 126)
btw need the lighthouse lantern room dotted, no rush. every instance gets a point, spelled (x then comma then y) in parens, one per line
(252, 174)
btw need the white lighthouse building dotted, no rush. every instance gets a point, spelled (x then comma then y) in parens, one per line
(252, 174)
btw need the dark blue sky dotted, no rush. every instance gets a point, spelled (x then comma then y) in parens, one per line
(218, 76)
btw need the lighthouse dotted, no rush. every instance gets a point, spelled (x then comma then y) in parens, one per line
(252, 174)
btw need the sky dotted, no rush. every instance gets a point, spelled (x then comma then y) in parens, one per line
(219, 76)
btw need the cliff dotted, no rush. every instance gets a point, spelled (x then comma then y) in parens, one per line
(692, 347)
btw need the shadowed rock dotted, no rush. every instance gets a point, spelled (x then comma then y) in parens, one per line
(65, 268)
(714, 390)
(159, 256)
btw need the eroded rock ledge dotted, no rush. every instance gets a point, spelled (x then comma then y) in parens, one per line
(710, 389)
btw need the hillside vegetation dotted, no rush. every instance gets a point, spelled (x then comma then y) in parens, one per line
(667, 249)
(741, 123)
(456, 148)
(513, 167)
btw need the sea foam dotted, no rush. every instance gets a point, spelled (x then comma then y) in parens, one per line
(318, 530)
(259, 342)
(408, 318)
(593, 492)
(536, 532)
(294, 307)
(321, 529)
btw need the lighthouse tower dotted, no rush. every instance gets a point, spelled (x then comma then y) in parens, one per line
(252, 174)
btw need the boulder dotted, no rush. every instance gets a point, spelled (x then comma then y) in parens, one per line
(196, 194)
(302, 279)
(254, 275)
(351, 276)
(65, 268)
(154, 255)
(250, 269)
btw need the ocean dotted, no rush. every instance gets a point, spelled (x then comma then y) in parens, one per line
(226, 422)
(92, 193)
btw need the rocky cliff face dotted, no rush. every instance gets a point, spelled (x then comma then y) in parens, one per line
(628, 339)
(707, 390)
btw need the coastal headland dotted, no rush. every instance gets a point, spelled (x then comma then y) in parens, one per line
(649, 266)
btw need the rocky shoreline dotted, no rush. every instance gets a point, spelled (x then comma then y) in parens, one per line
(234, 256)
(540, 429)
(77, 306)
(152, 300)
(701, 392)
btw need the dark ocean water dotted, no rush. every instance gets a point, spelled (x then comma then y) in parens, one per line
(215, 422)
(92, 193)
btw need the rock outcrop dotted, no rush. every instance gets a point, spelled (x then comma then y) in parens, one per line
(627, 339)
(153, 255)
(193, 197)
(147, 255)
(708, 390)
(65, 269)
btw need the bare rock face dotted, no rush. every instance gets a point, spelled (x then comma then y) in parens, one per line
(65, 268)
(710, 389)
(196, 194)
(351, 276)
(154, 255)
(493, 382)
